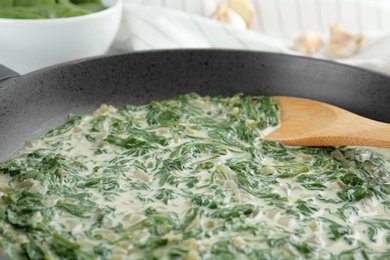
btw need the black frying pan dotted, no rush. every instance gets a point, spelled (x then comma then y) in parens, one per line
(33, 103)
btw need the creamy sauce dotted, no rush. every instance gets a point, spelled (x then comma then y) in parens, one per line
(197, 193)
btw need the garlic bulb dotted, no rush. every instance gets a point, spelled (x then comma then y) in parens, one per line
(343, 44)
(245, 9)
(308, 43)
(239, 13)
(226, 14)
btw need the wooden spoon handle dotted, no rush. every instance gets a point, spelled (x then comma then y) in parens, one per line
(378, 137)
(361, 131)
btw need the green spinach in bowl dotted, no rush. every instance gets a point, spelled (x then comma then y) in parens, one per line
(48, 9)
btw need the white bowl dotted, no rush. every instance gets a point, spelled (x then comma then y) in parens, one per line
(30, 44)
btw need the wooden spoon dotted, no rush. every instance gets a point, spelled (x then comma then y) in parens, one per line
(311, 123)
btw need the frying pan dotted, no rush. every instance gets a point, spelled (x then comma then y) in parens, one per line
(35, 102)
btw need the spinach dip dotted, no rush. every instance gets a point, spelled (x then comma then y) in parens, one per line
(191, 178)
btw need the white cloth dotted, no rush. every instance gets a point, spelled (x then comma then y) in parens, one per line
(174, 24)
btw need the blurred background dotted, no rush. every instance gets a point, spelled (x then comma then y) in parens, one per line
(355, 32)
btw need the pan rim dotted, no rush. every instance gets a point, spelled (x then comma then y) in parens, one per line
(193, 50)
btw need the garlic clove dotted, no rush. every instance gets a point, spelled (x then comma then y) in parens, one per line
(308, 43)
(226, 14)
(239, 13)
(343, 44)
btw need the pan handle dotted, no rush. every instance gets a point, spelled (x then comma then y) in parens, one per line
(6, 73)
